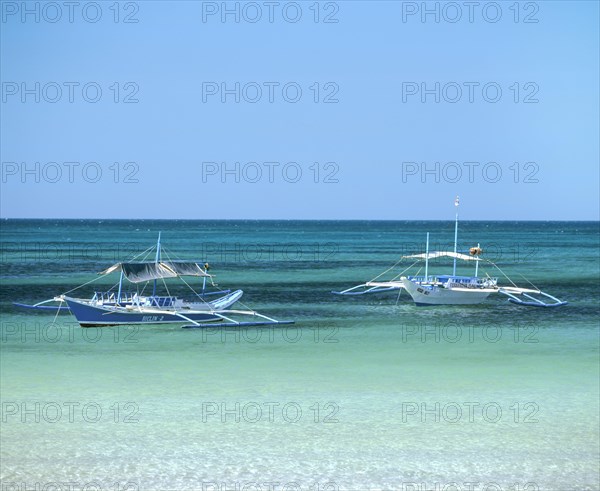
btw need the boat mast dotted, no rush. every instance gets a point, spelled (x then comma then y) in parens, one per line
(156, 260)
(427, 257)
(120, 286)
(456, 202)
(477, 262)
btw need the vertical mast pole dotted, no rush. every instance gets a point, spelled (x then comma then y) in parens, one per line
(427, 258)
(456, 202)
(120, 285)
(157, 259)
(477, 262)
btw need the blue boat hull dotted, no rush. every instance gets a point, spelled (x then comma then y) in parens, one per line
(46, 308)
(95, 316)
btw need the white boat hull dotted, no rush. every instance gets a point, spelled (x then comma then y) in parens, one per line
(428, 294)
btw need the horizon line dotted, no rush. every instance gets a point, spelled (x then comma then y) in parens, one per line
(304, 219)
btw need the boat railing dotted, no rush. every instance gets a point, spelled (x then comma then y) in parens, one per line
(162, 301)
(132, 298)
(456, 281)
(421, 279)
(473, 282)
(429, 279)
(112, 297)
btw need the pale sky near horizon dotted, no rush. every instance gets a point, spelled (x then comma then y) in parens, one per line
(300, 110)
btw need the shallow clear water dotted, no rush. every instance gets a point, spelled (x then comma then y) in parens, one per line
(361, 393)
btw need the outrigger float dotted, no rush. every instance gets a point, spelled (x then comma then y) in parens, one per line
(117, 306)
(451, 289)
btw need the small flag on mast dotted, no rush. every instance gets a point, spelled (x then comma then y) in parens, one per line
(456, 201)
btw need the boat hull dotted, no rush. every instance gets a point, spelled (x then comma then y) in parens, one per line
(424, 295)
(89, 315)
(63, 309)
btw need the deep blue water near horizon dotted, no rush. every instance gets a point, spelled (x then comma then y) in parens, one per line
(361, 393)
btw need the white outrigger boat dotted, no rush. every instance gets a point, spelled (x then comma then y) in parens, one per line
(451, 289)
(116, 306)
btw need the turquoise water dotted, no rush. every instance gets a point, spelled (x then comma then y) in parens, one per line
(361, 393)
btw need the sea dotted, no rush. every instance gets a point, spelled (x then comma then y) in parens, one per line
(364, 392)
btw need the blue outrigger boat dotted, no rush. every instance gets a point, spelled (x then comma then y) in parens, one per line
(117, 306)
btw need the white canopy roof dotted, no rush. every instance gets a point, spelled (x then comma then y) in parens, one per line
(145, 271)
(433, 255)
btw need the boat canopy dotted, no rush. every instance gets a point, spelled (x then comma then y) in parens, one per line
(433, 255)
(138, 272)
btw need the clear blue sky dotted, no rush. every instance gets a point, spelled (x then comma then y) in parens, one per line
(384, 142)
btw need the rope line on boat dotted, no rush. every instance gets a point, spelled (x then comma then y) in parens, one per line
(216, 285)
(398, 297)
(534, 286)
(166, 287)
(183, 280)
(87, 283)
(210, 277)
(392, 267)
(205, 302)
(503, 273)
